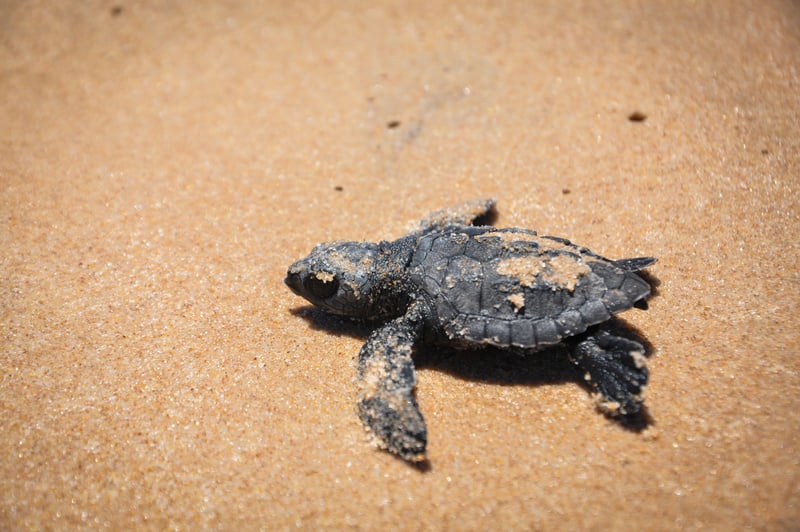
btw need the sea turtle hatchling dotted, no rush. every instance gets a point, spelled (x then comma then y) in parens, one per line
(457, 284)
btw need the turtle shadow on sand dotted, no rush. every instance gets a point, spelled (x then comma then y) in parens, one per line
(493, 365)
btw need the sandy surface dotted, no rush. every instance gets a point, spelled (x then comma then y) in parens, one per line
(161, 166)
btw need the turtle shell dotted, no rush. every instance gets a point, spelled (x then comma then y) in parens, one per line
(512, 287)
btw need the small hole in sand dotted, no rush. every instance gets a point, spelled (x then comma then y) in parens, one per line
(393, 124)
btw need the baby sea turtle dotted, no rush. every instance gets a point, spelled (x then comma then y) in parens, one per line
(465, 286)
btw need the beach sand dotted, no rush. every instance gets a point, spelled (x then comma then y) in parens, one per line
(162, 163)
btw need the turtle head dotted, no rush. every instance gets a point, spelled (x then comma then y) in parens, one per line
(338, 277)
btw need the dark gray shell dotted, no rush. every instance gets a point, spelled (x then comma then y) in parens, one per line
(511, 287)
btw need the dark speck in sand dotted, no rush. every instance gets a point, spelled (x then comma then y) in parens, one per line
(637, 116)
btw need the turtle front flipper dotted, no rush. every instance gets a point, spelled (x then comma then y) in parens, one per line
(615, 368)
(462, 214)
(386, 403)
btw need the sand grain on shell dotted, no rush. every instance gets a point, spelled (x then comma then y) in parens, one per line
(561, 270)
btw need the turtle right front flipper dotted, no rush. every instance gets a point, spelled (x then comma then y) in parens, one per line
(462, 214)
(386, 403)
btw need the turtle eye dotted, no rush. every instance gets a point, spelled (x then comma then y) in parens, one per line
(322, 288)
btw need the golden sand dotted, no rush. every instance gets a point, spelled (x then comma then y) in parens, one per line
(163, 164)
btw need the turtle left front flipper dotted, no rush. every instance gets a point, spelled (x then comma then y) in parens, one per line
(386, 403)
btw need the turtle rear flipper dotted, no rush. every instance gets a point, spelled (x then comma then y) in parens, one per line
(635, 264)
(616, 368)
